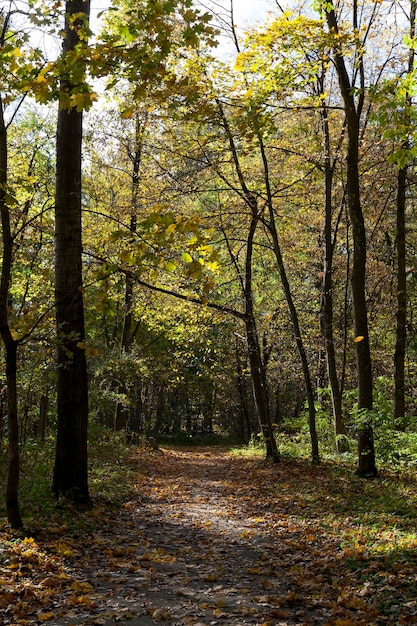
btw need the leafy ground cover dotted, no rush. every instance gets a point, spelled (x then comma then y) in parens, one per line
(192, 536)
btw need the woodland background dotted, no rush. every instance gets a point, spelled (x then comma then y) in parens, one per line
(248, 228)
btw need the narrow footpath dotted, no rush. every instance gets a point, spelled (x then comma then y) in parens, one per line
(207, 540)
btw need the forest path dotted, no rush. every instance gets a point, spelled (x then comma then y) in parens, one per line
(209, 539)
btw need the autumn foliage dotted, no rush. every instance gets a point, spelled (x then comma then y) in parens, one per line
(196, 535)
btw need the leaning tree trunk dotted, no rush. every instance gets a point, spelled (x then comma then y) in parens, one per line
(315, 454)
(70, 471)
(256, 364)
(366, 452)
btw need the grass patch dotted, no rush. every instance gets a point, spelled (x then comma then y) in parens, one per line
(112, 475)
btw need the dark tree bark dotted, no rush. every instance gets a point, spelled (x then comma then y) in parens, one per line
(43, 417)
(13, 475)
(70, 471)
(135, 156)
(353, 109)
(245, 426)
(256, 364)
(272, 227)
(327, 292)
(12, 500)
(401, 314)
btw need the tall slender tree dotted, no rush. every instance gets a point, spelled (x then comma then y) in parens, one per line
(327, 321)
(70, 471)
(401, 315)
(10, 343)
(134, 150)
(353, 107)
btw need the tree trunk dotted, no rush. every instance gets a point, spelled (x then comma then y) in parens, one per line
(260, 390)
(401, 315)
(256, 364)
(366, 452)
(12, 501)
(43, 417)
(70, 471)
(315, 455)
(245, 427)
(126, 340)
(13, 476)
(257, 369)
(327, 294)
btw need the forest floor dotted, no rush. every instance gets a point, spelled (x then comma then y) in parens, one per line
(208, 538)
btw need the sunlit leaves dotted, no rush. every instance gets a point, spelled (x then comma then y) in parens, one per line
(148, 36)
(286, 55)
(396, 117)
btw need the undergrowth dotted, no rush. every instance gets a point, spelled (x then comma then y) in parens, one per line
(112, 474)
(331, 491)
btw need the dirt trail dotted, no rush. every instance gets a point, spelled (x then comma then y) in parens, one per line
(202, 544)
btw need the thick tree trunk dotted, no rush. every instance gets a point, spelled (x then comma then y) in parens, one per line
(70, 470)
(366, 452)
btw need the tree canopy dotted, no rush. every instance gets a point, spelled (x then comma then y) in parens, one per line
(243, 229)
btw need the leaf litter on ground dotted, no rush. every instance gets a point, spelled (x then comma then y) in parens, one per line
(205, 537)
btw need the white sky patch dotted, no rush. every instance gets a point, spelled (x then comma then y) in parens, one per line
(249, 11)
(246, 14)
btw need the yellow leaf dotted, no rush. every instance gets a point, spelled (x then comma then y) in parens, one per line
(82, 101)
(81, 601)
(127, 113)
(82, 587)
(359, 338)
(45, 617)
(29, 540)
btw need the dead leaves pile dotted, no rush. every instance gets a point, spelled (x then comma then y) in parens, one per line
(35, 584)
(210, 539)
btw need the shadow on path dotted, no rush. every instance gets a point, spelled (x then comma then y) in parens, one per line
(196, 546)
